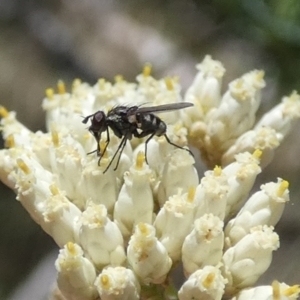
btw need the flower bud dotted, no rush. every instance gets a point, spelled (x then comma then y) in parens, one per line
(178, 173)
(147, 256)
(247, 260)
(282, 116)
(205, 91)
(262, 138)
(75, 274)
(60, 217)
(174, 222)
(203, 246)
(241, 176)
(263, 208)
(211, 194)
(97, 187)
(280, 291)
(135, 202)
(206, 283)
(118, 283)
(235, 114)
(100, 237)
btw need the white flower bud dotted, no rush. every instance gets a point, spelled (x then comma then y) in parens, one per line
(11, 127)
(282, 116)
(67, 161)
(205, 91)
(236, 113)
(100, 237)
(241, 176)
(211, 194)
(263, 208)
(206, 283)
(60, 217)
(147, 256)
(8, 166)
(41, 143)
(64, 110)
(262, 138)
(135, 202)
(76, 274)
(203, 246)
(157, 152)
(178, 173)
(174, 221)
(97, 187)
(247, 260)
(278, 291)
(118, 283)
(32, 185)
(104, 92)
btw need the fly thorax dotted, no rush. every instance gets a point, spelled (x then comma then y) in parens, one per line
(132, 119)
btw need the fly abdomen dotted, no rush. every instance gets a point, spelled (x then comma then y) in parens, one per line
(151, 124)
(161, 127)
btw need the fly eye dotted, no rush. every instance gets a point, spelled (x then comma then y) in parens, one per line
(98, 117)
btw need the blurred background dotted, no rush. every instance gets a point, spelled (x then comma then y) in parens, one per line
(43, 41)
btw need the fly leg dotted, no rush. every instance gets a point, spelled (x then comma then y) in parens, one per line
(146, 143)
(104, 150)
(120, 148)
(143, 134)
(179, 147)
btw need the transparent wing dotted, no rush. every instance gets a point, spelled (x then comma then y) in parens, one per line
(161, 108)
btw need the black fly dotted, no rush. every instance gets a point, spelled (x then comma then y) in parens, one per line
(131, 121)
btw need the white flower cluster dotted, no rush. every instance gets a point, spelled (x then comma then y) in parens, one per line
(123, 232)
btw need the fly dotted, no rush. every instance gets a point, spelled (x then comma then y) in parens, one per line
(131, 121)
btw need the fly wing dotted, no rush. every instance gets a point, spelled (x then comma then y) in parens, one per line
(162, 108)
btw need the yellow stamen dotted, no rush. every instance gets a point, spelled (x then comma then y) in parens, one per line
(217, 171)
(294, 96)
(147, 70)
(276, 290)
(260, 75)
(55, 138)
(239, 83)
(191, 194)
(208, 280)
(101, 83)
(140, 159)
(143, 229)
(71, 248)
(169, 83)
(61, 87)
(292, 291)
(21, 164)
(49, 93)
(105, 282)
(10, 141)
(3, 112)
(119, 78)
(76, 83)
(54, 189)
(98, 221)
(257, 154)
(282, 188)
